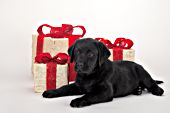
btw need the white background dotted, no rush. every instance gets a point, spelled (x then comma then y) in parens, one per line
(146, 22)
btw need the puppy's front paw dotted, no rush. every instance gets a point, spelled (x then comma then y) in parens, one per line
(78, 102)
(49, 94)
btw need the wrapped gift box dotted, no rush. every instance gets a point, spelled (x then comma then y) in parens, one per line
(120, 50)
(42, 82)
(50, 72)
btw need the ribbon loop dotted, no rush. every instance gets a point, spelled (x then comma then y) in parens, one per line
(56, 32)
(120, 42)
(60, 58)
(82, 28)
(43, 58)
(39, 30)
(129, 44)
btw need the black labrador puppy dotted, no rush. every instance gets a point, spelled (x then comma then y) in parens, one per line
(99, 79)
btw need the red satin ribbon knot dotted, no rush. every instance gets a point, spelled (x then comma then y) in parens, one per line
(60, 58)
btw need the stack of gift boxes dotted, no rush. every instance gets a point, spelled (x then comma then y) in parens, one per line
(50, 62)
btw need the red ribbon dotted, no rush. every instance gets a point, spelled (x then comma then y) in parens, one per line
(56, 32)
(46, 58)
(117, 47)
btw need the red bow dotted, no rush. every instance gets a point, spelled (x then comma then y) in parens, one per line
(119, 43)
(60, 58)
(59, 32)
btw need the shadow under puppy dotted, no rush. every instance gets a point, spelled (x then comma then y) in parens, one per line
(99, 79)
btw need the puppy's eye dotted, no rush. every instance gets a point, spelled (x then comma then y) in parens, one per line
(90, 54)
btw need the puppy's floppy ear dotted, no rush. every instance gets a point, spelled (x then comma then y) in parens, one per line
(71, 52)
(103, 53)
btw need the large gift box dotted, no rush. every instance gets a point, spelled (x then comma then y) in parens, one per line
(120, 50)
(50, 72)
(58, 40)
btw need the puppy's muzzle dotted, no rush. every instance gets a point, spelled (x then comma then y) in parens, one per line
(80, 67)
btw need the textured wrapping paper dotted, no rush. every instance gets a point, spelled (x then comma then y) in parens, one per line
(122, 54)
(51, 45)
(40, 76)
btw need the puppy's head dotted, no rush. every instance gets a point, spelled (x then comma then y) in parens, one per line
(88, 54)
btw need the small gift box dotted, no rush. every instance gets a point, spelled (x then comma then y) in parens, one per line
(120, 50)
(50, 72)
(58, 40)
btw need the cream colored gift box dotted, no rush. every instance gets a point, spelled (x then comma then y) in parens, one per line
(40, 80)
(128, 54)
(50, 45)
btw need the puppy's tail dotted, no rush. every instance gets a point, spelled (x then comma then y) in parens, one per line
(159, 82)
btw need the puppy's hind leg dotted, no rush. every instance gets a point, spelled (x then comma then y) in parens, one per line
(148, 82)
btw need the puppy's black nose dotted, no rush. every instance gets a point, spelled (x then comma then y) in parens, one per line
(80, 65)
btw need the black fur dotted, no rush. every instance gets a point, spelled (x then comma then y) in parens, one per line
(101, 80)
